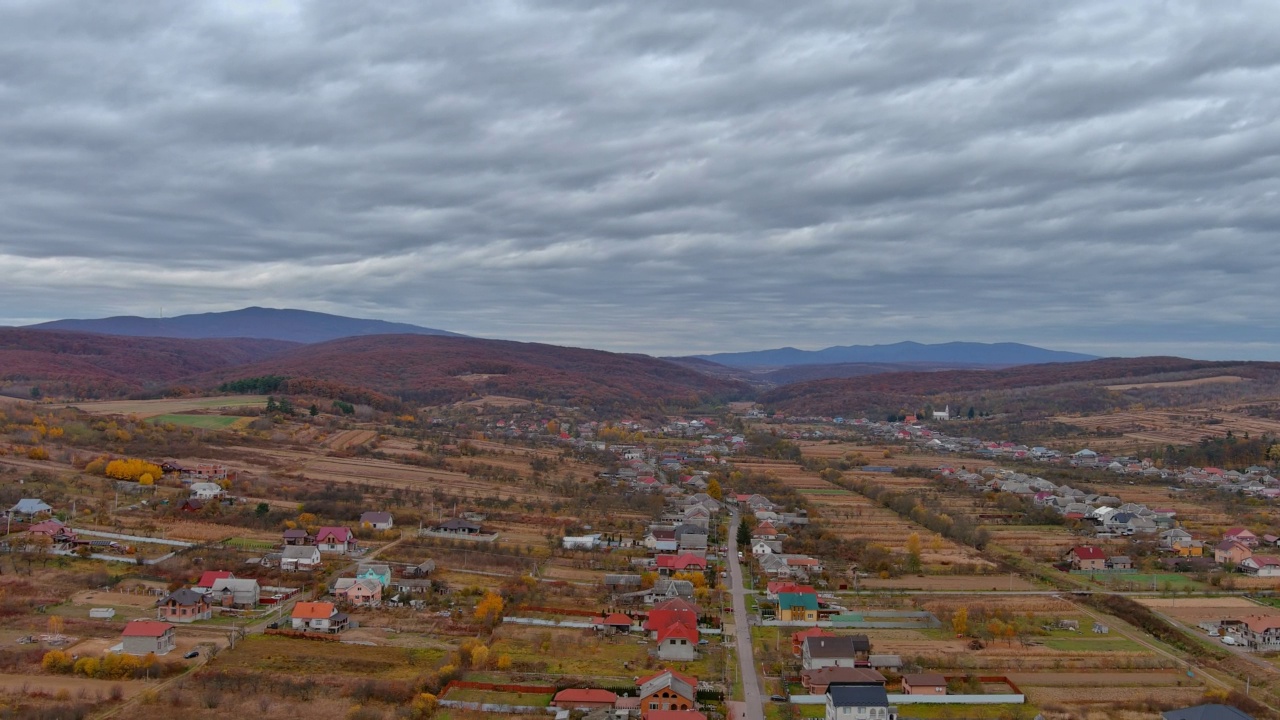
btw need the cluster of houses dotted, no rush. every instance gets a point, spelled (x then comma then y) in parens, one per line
(215, 588)
(1108, 516)
(664, 695)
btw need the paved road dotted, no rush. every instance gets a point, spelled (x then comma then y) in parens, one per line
(742, 626)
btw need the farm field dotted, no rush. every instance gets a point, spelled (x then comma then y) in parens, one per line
(1215, 380)
(265, 653)
(153, 408)
(498, 698)
(1177, 427)
(950, 583)
(1193, 610)
(204, 422)
(856, 517)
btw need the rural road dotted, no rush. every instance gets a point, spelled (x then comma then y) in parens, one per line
(742, 627)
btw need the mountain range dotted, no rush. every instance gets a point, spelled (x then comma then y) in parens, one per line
(302, 326)
(952, 353)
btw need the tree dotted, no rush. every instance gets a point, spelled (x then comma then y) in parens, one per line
(424, 706)
(913, 552)
(262, 509)
(713, 489)
(489, 609)
(146, 479)
(971, 413)
(314, 410)
(744, 533)
(960, 621)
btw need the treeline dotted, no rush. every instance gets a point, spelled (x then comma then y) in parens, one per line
(926, 511)
(1228, 452)
(261, 385)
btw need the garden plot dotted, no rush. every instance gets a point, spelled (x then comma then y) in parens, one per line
(1195, 610)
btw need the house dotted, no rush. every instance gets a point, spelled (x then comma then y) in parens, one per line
(184, 606)
(424, 569)
(616, 622)
(141, 637)
(667, 589)
(1260, 632)
(924, 684)
(618, 582)
(209, 577)
(583, 699)
(376, 572)
(765, 530)
(671, 564)
(675, 715)
(339, 540)
(236, 592)
(839, 651)
(678, 641)
(1230, 552)
(1212, 711)
(797, 607)
(377, 520)
(358, 592)
(458, 526)
(53, 529)
(191, 505)
(666, 690)
(1261, 565)
(206, 491)
(580, 542)
(1119, 562)
(208, 471)
(297, 536)
(761, 547)
(318, 617)
(300, 557)
(797, 638)
(855, 702)
(27, 508)
(661, 540)
(1086, 557)
(671, 612)
(1242, 536)
(816, 682)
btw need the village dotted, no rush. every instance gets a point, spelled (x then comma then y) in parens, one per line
(535, 563)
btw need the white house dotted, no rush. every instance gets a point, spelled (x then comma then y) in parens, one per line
(29, 507)
(581, 542)
(1261, 565)
(300, 557)
(206, 491)
(859, 702)
(377, 520)
(317, 617)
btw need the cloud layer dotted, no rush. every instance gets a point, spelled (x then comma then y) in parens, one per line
(657, 176)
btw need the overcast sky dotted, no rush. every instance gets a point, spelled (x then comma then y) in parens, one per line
(655, 176)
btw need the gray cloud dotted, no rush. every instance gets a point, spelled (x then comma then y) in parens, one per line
(654, 176)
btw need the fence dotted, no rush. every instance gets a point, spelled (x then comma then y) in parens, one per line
(458, 536)
(493, 708)
(558, 611)
(575, 624)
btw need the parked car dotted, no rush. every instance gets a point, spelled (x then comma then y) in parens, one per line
(778, 698)
(1228, 640)
(192, 654)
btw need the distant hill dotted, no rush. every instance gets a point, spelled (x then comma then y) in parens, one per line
(953, 353)
(90, 366)
(435, 370)
(302, 326)
(1028, 391)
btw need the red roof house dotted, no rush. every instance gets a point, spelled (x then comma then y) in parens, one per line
(1086, 557)
(584, 698)
(209, 577)
(668, 564)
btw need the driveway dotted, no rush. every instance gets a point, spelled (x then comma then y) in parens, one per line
(753, 705)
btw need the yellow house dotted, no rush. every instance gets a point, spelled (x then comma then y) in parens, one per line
(797, 607)
(1188, 548)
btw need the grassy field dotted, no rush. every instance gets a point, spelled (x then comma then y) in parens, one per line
(499, 698)
(204, 422)
(969, 712)
(1097, 643)
(265, 653)
(152, 408)
(251, 544)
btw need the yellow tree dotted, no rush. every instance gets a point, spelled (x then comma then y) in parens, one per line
(713, 489)
(913, 552)
(489, 609)
(960, 621)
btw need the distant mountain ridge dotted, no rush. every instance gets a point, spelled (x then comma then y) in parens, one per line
(302, 326)
(956, 353)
